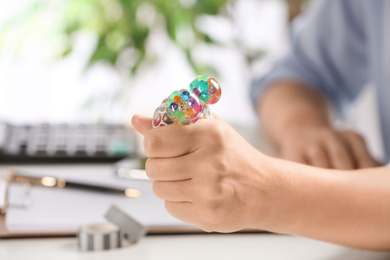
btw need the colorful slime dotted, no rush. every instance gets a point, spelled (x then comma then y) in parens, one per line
(184, 107)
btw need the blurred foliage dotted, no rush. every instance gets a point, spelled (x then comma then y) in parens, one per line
(121, 24)
(126, 25)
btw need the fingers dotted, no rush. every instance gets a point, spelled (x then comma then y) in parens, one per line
(176, 191)
(340, 156)
(293, 155)
(317, 156)
(328, 148)
(359, 150)
(171, 141)
(194, 213)
(181, 210)
(342, 150)
(141, 124)
(170, 169)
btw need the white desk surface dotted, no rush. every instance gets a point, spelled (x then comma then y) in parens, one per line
(197, 246)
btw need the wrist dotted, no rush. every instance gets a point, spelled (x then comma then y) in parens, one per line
(278, 193)
(298, 197)
(266, 203)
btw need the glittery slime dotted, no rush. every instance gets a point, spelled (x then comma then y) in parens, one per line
(184, 107)
(207, 89)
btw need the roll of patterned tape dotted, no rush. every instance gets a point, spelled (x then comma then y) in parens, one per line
(101, 236)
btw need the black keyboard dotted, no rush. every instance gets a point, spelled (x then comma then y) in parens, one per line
(45, 143)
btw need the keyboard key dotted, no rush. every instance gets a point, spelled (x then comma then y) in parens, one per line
(68, 143)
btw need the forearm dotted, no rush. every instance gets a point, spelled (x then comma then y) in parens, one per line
(291, 105)
(344, 207)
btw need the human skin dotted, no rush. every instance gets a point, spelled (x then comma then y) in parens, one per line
(296, 118)
(208, 175)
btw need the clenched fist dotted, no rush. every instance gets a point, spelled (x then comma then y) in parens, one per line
(207, 174)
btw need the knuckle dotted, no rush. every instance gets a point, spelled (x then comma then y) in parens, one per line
(217, 135)
(221, 164)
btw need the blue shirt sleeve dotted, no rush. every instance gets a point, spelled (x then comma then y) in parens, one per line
(328, 52)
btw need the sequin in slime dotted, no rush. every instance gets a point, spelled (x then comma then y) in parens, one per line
(184, 107)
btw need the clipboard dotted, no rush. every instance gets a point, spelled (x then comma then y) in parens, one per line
(60, 212)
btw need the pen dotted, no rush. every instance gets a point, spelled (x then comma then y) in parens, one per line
(49, 181)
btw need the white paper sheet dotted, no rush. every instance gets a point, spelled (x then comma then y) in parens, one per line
(65, 210)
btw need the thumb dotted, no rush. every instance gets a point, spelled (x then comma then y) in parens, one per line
(142, 124)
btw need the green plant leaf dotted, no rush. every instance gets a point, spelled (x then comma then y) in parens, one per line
(115, 24)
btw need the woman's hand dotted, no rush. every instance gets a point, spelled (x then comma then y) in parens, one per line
(207, 174)
(296, 118)
(210, 176)
(326, 147)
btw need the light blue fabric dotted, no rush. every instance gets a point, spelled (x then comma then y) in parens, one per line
(338, 46)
